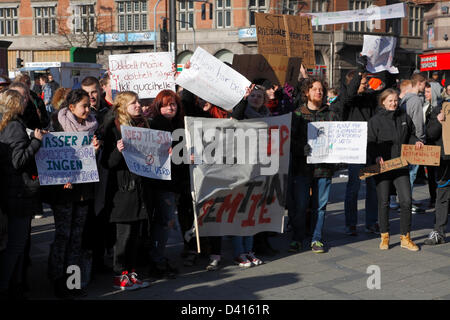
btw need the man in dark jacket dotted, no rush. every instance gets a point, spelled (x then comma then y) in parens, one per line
(434, 134)
(360, 105)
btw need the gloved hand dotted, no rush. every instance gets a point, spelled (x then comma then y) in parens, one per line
(307, 150)
(361, 61)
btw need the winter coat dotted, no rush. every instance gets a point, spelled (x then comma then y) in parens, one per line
(125, 190)
(35, 114)
(434, 136)
(299, 139)
(20, 186)
(412, 104)
(387, 131)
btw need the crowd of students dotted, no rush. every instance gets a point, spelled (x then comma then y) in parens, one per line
(131, 216)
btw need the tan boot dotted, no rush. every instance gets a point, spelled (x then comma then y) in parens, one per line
(406, 242)
(384, 245)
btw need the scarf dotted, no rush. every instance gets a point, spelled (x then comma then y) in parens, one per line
(251, 113)
(69, 122)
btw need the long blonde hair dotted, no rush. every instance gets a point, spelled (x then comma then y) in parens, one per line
(12, 104)
(120, 106)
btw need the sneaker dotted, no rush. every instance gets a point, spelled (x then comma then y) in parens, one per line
(434, 238)
(254, 260)
(295, 246)
(38, 216)
(317, 247)
(393, 203)
(416, 209)
(374, 228)
(243, 261)
(351, 231)
(213, 263)
(123, 282)
(134, 279)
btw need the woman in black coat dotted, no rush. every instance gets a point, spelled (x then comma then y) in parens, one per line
(387, 131)
(19, 186)
(125, 191)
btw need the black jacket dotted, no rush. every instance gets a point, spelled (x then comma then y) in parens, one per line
(35, 114)
(433, 132)
(125, 192)
(19, 183)
(387, 131)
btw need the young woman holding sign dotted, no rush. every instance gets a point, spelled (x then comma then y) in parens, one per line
(387, 131)
(19, 189)
(70, 202)
(126, 191)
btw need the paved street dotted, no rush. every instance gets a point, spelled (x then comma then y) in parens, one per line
(341, 273)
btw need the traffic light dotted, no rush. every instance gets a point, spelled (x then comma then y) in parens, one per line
(164, 35)
(203, 11)
(19, 63)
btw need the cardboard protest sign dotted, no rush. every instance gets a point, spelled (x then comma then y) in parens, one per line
(213, 81)
(66, 157)
(337, 142)
(278, 69)
(388, 165)
(380, 51)
(286, 35)
(234, 197)
(426, 156)
(144, 73)
(146, 152)
(446, 127)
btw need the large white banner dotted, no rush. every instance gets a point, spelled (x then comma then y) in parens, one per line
(234, 197)
(337, 142)
(144, 73)
(146, 152)
(66, 157)
(213, 81)
(380, 52)
(372, 13)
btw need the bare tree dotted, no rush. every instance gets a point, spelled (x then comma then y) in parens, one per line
(82, 25)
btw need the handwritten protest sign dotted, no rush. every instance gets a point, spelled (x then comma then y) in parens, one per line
(66, 157)
(372, 13)
(446, 127)
(337, 142)
(233, 198)
(278, 69)
(426, 156)
(380, 51)
(144, 73)
(146, 152)
(387, 165)
(213, 81)
(286, 35)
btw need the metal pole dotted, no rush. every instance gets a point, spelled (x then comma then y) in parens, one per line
(173, 29)
(154, 21)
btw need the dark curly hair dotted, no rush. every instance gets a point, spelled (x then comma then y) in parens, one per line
(73, 97)
(308, 84)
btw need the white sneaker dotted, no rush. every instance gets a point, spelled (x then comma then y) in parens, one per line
(213, 263)
(254, 260)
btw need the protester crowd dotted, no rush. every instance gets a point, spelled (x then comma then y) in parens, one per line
(131, 216)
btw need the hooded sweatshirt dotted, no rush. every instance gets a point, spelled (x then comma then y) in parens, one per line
(412, 104)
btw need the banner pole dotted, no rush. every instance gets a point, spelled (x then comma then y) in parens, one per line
(196, 227)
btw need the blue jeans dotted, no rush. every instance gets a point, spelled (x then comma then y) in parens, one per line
(320, 193)
(351, 198)
(413, 168)
(164, 210)
(242, 244)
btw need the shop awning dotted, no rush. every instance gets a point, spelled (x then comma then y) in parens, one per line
(435, 61)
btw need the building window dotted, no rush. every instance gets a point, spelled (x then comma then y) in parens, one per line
(9, 22)
(319, 6)
(84, 18)
(44, 20)
(359, 26)
(415, 25)
(223, 13)
(132, 16)
(256, 6)
(186, 15)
